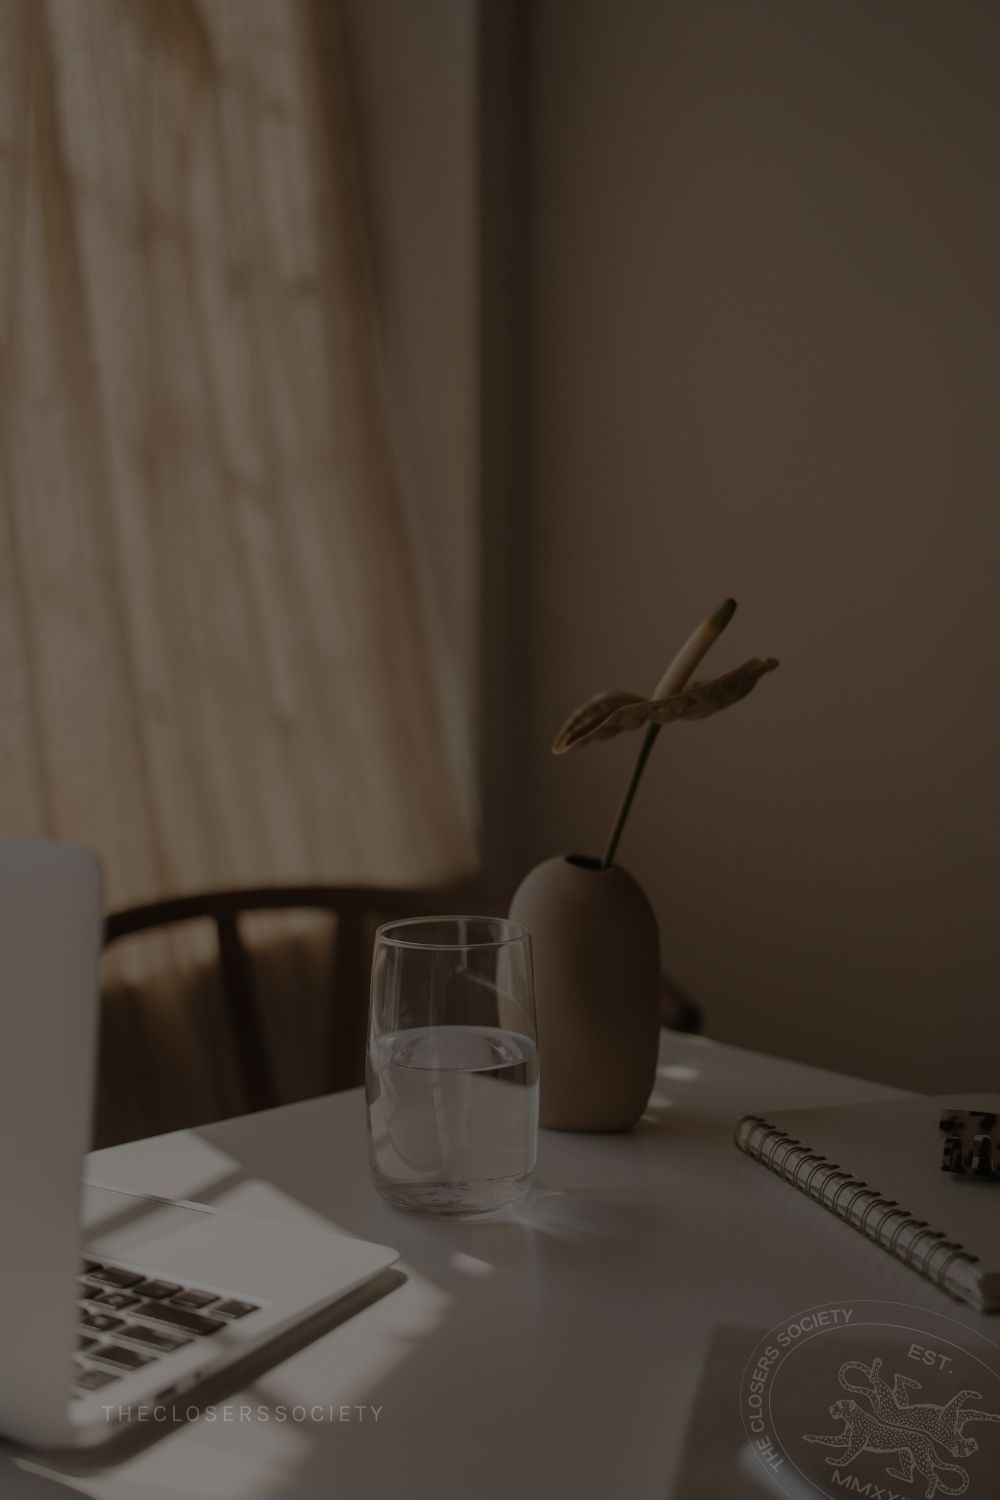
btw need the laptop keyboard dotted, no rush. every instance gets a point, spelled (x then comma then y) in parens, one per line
(126, 1320)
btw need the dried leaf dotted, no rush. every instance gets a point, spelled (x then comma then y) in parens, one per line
(722, 692)
(594, 712)
(613, 713)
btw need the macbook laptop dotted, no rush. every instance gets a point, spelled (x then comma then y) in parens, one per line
(116, 1301)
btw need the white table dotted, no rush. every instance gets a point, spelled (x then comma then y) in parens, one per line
(546, 1355)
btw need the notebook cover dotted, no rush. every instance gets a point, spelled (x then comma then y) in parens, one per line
(945, 1225)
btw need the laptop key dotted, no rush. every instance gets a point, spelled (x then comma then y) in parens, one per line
(92, 1265)
(125, 1359)
(117, 1300)
(97, 1322)
(193, 1299)
(157, 1288)
(153, 1338)
(90, 1289)
(113, 1276)
(233, 1309)
(93, 1380)
(84, 1341)
(179, 1317)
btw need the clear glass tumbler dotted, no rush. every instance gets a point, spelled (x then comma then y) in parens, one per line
(452, 1068)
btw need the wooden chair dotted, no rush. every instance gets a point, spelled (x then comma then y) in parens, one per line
(357, 911)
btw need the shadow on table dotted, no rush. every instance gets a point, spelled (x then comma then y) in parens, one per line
(715, 1462)
(17, 1483)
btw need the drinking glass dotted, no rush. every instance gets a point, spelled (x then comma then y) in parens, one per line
(452, 1066)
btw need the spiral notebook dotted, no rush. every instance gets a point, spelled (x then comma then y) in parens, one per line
(878, 1168)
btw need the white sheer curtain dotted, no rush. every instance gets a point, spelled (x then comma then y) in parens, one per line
(213, 664)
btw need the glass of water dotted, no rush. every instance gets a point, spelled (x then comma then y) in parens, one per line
(452, 1067)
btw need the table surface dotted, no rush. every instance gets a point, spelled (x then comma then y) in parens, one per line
(554, 1352)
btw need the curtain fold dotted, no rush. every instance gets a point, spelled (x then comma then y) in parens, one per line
(213, 664)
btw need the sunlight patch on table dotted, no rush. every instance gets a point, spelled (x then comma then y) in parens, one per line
(469, 1265)
(678, 1072)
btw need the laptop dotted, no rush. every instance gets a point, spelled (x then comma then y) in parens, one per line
(117, 1301)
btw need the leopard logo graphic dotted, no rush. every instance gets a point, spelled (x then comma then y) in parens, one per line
(895, 1423)
(922, 1408)
(863, 1433)
(892, 1404)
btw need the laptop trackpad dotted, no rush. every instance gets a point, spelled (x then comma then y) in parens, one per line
(116, 1223)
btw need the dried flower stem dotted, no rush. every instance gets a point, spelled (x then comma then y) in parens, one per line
(672, 681)
(648, 740)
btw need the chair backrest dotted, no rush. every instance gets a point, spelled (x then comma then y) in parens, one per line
(357, 910)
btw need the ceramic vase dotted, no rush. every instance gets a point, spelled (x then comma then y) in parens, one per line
(597, 992)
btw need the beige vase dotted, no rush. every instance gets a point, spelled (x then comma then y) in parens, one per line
(597, 992)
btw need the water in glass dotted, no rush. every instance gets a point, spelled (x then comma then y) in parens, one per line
(453, 1102)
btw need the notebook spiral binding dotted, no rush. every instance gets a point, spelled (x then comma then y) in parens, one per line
(812, 1173)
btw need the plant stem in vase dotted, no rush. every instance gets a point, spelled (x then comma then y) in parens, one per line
(672, 681)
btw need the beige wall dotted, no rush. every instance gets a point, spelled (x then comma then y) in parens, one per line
(765, 315)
